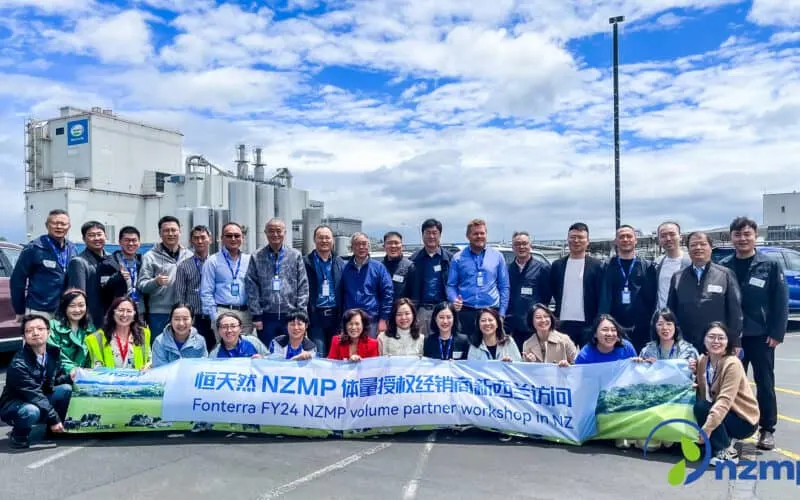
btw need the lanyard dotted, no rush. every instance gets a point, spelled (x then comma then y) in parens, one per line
(323, 267)
(478, 261)
(61, 255)
(276, 260)
(671, 351)
(131, 267)
(447, 351)
(123, 352)
(626, 276)
(235, 275)
(709, 380)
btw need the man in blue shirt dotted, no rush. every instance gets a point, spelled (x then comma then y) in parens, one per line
(324, 271)
(39, 275)
(478, 278)
(222, 287)
(366, 285)
(427, 279)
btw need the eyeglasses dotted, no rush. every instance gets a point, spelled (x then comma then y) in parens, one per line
(716, 338)
(129, 240)
(124, 312)
(229, 327)
(233, 236)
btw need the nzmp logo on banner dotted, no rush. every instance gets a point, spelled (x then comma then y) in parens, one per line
(747, 470)
(77, 132)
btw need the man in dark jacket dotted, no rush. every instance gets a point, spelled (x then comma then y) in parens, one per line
(396, 263)
(37, 388)
(366, 285)
(82, 270)
(765, 307)
(704, 292)
(324, 271)
(40, 273)
(629, 289)
(530, 284)
(119, 272)
(426, 282)
(575, 282)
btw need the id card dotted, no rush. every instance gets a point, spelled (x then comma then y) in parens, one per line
(235, 289)
(398, 278)
(480, 278)
(50, 264)
(757, 282)
(626, 296)
(526, 290)
(437, 268)
(276, 284)
(326, 289)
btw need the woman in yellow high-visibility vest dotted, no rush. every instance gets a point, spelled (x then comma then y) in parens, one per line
(122, 342)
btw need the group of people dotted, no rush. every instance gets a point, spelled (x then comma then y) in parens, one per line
(126, 311)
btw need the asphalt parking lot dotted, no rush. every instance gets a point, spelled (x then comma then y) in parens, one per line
(441, 465)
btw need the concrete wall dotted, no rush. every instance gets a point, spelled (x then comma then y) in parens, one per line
(781, 209)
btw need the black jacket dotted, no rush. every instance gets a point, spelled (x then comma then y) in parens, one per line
(82, 274)
(716, 297)
(592, 281)
(112, 284)
(337, 265)
(398, 270)
(765, 297)
(415, 280)
(457, 351)
(27, 381)
(535, 279)
(643, 289)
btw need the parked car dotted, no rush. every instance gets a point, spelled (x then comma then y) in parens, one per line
(789, 259)
(10, 339)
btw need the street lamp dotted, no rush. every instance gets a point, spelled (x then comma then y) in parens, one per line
(614, 21)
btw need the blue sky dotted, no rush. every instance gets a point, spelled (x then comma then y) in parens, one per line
(399, 110)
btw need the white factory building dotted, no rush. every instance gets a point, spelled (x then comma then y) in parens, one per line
(781, 213)
(100, 166)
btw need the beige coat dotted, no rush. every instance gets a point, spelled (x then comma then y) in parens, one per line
(730, 391)
(558, 347)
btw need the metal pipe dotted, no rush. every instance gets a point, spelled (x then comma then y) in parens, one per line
(614, 21)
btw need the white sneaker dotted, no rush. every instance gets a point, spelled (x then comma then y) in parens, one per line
(622, 444)
(723, 456)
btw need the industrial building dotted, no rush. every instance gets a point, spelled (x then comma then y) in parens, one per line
(781, 213)
(100, 166)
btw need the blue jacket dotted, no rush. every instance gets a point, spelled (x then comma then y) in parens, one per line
(165, 350)
(39, 272)
(369, 289)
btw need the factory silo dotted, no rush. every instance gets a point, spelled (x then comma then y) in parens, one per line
(283, 210)
(265, 205)
(242, 203)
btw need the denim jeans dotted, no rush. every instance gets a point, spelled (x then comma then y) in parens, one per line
(23, 416)
(732, 426)
(157, 322)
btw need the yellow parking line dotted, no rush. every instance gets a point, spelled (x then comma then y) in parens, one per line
(786, 453)
(789, 419)
(781, 389)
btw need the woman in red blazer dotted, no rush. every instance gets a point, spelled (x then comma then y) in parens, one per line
(354, 343)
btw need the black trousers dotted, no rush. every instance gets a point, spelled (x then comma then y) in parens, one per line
(762, 357)
(732, 426)
(202, 324)
(324, 325)
(576, 331)
(467, 319)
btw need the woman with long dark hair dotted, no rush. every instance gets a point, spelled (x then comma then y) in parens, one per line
(122, 342)
(402, 337)
(667, 341)
(444, 341)
(354, 342)
(492, 342)
(69, 329)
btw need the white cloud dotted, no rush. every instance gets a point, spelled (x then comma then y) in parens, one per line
(785, 37)
(775, 12)
(121, 38)
(51, 6)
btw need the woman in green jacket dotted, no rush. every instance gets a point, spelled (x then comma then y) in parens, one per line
(123, 342)
(69, 329)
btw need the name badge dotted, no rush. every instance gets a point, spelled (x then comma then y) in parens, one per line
(714, 289)
(757, 282)
(458, 354)
(276, 284)
(326, 289)
(626, 296)
(50, 264)
(235, 289)
(480, 278)
(437, 268)
(526, 290)
(104, 280)
(398, 278)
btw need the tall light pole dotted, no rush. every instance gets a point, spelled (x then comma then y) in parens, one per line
(614, 21)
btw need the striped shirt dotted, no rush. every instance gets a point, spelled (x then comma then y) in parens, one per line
(187, 283)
